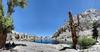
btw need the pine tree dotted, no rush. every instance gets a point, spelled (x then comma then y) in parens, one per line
(6, 21)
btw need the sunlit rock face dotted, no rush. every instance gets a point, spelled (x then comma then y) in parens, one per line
(86, 20)
(20, 36)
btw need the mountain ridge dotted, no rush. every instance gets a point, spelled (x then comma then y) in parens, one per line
(85, 27)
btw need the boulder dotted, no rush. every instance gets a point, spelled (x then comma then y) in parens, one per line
(94, 48)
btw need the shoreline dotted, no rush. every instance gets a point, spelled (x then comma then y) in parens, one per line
(36, 47)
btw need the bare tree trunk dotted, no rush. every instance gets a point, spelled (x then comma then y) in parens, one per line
(3, 34)
(73, 30)
(95, 31)
(2, 39)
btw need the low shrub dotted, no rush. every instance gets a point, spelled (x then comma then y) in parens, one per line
(86, 42)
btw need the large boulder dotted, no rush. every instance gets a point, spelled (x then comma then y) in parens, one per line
(95, 48)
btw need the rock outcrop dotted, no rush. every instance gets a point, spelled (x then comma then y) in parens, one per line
(85, 27)
(21, 36)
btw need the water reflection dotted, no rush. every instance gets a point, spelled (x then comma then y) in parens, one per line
(48, 41)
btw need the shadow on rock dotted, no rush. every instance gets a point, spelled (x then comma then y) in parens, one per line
(10, 46)
(64, 48)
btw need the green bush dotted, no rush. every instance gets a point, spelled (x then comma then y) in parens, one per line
(86, 41)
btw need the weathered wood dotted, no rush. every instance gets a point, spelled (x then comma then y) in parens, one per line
(95, 31)
(73, 30)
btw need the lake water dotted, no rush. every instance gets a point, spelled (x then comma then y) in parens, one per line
(46, 41)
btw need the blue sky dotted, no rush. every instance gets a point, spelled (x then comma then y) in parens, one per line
(44, 17)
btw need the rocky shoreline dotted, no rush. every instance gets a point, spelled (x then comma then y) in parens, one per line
(38, 47)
